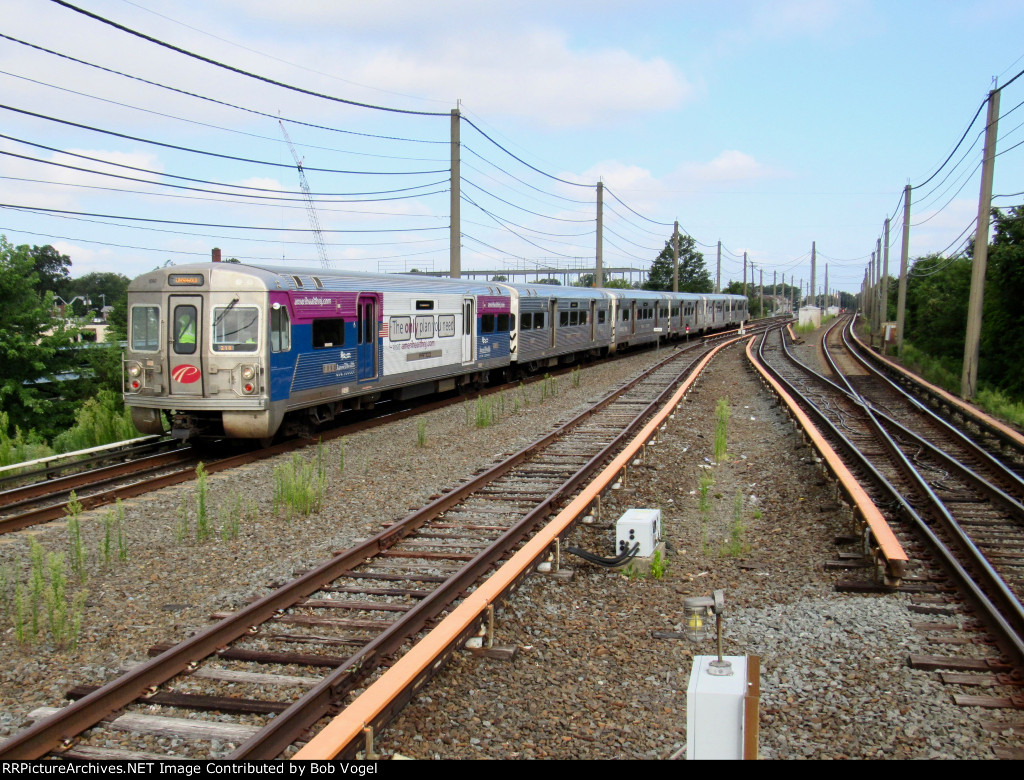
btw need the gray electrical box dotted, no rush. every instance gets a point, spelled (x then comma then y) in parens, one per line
(638, 526)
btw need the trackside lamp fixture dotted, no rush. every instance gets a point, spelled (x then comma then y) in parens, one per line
(697, 611)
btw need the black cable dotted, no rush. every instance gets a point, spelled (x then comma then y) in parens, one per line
(510, 154)
(239, 71)
(521, 181)
(472, 202)
(469, 166)
(213, 100)
(19, 207)
(205, 153)
(609, 563)
(205, 181)
(522, 208)
(276, 140)
(279, 203)
(521, 238)
(975, 119)
(653, 221)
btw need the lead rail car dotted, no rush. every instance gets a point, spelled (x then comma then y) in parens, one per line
(240, 351)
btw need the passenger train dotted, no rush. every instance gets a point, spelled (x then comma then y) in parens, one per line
(244, 351)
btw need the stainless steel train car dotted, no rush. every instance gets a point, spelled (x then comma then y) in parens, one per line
(242, 351)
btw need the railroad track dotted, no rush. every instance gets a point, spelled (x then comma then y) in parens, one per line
(932, 482)
(351, 616)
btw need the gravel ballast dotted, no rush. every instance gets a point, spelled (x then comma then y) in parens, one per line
(589, 681)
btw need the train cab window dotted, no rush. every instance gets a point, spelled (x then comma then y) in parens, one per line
(235, 328)
(145, 328)
(183, 330)
(487, 323)
(328, 332)
(502, 324)
(280, 329)
(526, 321)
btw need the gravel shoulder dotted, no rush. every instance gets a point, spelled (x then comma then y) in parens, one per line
(589, 680)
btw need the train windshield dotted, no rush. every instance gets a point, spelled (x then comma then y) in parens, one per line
(236, 329)
(145, 328)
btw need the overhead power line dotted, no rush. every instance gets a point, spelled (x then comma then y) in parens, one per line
(204, 152)
(215, 101)
(240, 71)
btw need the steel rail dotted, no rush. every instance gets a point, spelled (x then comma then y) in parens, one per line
(814, 423)
(1012, 635)
(49, 733)
(375, 706)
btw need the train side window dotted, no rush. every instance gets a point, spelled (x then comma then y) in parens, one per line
(526, 320)
(502, 325)
(145, 328)
(625, 315)
(600, 317)
(563, 318)
(538, 320)
(487, 323)
(574, 318)
(280, 329)
(400, 328)
(328, 333)
(183, 330)
(425, 327)
(675, 311)
(445, 325)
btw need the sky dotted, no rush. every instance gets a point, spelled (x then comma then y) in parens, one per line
(766, 125)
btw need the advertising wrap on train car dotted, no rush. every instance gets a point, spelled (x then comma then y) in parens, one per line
(322, 304)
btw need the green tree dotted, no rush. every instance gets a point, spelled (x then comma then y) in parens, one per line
(499, 278)
(550, 281)
(34, 344)
(693, 275)
(100, 288)
(587, 280)
(52, 269)
(1002, 330)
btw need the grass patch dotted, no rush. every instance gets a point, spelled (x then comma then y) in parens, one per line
(299, 486)
(722, 414)
(736, 545)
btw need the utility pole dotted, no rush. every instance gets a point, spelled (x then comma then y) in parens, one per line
(455, 229)
(599, 264)
(869, 310)
(901, 298)
(885, 283)
(744, 274)
(814, 259)
(775, 291)
(879, 303)
(969, 377)
(761, 272)
(675, 257)
(718, 278)
(825, 307)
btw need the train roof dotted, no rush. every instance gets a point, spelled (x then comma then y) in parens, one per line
(227, 275)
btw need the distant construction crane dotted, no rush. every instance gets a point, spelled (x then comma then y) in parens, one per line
(318, 235)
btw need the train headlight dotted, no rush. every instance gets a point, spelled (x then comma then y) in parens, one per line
(134, 370)
(248, 372)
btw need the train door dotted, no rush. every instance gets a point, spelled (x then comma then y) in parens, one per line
(468, 330)
(593, 321)
(632, 317)
(185, 356)
(553, 319)
(366, 337)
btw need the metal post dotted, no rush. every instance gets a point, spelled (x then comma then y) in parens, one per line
(718, 278)
(761, 271)
(744, 273)
(599, 265)
(455, 229)
(969, 377)
(814, 260)
(901, 298)
(675, 257)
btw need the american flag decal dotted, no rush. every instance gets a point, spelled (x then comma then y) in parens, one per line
(383, 333)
